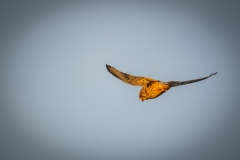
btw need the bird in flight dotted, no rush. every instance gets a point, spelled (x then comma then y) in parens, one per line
(151, 88)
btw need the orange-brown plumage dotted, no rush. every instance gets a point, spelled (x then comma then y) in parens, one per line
(151, 88)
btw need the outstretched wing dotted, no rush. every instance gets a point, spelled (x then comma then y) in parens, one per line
(127, 78)
(178, 83)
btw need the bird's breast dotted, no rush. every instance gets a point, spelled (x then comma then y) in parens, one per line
(156, 89)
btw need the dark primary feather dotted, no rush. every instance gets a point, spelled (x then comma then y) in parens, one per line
(178, 83)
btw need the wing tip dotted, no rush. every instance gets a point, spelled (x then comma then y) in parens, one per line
(108, 67)
(214, 73)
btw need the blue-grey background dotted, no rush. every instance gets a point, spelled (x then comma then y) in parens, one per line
(59, 102)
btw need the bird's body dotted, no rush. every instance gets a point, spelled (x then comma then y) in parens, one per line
(154, 90)
(151, 88)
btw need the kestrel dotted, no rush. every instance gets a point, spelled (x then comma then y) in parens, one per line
(151, 88)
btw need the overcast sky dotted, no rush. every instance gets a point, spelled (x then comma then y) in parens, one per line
(59, 101)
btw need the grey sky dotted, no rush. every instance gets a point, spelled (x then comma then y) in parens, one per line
(58, 100)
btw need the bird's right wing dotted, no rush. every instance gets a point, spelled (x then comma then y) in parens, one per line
(178, 83)
(127, 78)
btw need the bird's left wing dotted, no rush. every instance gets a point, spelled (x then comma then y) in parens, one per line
(127, 78)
